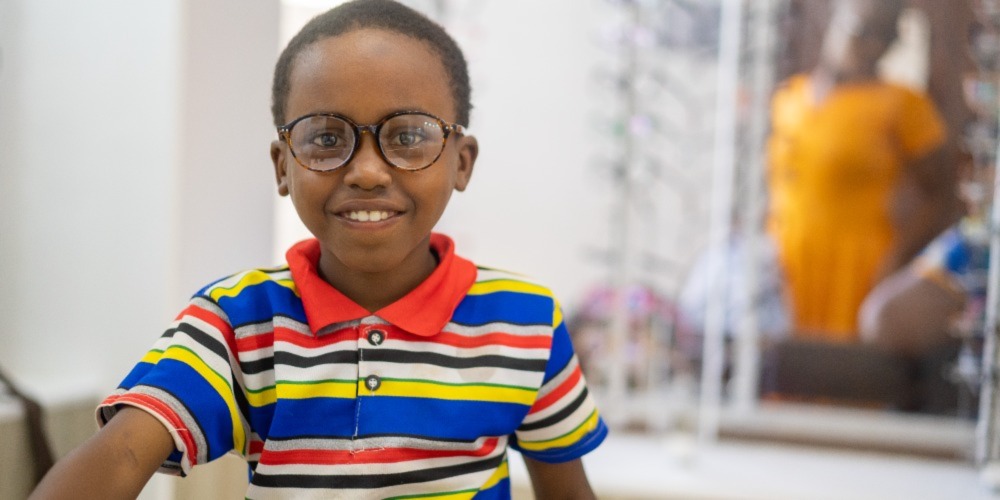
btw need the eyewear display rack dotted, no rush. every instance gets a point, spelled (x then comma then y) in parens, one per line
(982, 138)
(747, 57)
(691, 82)
(656, 54)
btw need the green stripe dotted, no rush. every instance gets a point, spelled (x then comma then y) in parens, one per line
(296, 382)
(433, 495)
(453, 384)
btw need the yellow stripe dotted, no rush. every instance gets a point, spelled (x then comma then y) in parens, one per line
(460, 495)
(294, 390)
(566, 439)
(485, 287)
(557, 315)
(152, 356)
(219, 383)
(450, 495)
(498, 475)
(466, 392)
(249, 279)
(324, 389)
(263, 397)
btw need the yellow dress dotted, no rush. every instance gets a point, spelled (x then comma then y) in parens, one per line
(833, 170)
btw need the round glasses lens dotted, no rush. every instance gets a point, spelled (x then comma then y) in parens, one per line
(412, 141)
(322, 142)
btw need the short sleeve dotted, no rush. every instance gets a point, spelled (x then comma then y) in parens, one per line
(186, 382)
(920, 128)
(563, 424)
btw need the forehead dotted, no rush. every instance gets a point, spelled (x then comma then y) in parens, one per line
(366, 74)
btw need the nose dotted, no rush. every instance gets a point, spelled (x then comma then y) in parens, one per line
(367, 170)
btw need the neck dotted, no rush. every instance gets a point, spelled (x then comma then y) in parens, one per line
(376, 290)
(824, 79)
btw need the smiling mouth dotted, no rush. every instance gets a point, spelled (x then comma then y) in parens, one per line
(368, 215)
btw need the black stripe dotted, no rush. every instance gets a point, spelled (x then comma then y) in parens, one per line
(256, 366)
(205, 340)
(335, 357)
(437, 359)
(558, 416)
(370, 481)
(218, 347)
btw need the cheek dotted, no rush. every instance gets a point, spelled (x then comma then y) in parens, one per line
(308, 194)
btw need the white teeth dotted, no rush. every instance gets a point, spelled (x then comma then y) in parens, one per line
(366, 216)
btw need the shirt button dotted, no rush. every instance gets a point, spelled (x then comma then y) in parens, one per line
(373, 383)
(376, 337)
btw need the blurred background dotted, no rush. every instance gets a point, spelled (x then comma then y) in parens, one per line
(627, 160)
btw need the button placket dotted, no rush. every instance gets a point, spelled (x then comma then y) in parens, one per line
(375, 335)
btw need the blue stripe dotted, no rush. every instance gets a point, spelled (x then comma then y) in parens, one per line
(138, 371)
(260, 303)
(317, 417)
(508, 307)
(437, 418)
(499, 491)
(561, 353)
(201, 400)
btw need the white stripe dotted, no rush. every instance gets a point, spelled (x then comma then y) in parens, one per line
(563, 426)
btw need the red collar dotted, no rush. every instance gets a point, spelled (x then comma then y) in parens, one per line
(424, 311)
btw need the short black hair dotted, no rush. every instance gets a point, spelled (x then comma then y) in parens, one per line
(380, 14)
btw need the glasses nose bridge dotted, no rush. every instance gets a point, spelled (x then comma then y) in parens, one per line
(373, 130)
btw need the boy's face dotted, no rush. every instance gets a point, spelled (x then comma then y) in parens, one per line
(860, 33)
(365, 75)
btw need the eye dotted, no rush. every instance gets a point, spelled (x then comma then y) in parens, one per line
(326, 140)
(408, 137)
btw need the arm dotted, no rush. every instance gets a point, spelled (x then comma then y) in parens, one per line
(566, 480)
(925, 206)
(115, 463)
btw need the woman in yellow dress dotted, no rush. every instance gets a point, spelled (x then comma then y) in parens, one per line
(857, 176)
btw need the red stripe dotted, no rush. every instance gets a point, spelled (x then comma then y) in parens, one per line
(491, 339)
(554, 396)
(158, 407)
(310, 341)
(254, 342)
(218, 323)
(375, 456)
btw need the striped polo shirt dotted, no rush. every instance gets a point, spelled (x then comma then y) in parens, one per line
(420, 399)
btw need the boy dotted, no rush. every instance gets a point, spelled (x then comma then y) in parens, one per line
(377, 363)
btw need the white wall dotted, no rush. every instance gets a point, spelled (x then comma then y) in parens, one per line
(133, 168)
(88, 128)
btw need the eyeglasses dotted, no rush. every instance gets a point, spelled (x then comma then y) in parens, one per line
(407, 140)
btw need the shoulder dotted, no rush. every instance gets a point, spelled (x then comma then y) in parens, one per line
(499, 296)
(249, 282)
(491, 280)
(255, 295)
(907, 96)
(793, 86)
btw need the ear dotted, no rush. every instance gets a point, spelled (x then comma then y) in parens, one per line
(279, 152)
(468, 151)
